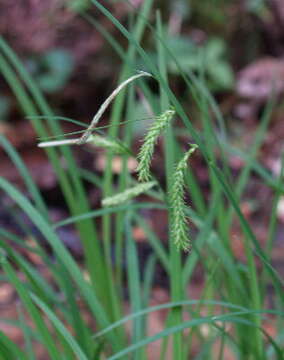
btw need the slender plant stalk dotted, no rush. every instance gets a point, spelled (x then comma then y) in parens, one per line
(176, 288)
(95, 140)
(106, 103)
(87, 135)
(115, 118)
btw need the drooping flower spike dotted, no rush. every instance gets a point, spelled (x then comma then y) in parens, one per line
(146, 152)
(179, 227)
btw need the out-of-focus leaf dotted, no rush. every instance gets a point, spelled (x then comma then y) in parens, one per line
(185, 52)
(215, 48)
(5, 106)
(188, 56)
(218, 69)
(78, 5)
(221, 75)
(58, 66)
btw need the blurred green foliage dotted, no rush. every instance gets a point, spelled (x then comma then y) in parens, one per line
(209, 59)
(78, 5)
(210, 13)
(5, 107)
(52, 70)
(256, 6)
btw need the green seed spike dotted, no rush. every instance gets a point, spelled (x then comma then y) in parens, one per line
(108, 144)
(128, 194)
(179, 226)
(146, 152)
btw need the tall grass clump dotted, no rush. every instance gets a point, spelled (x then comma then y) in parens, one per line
(80, 313)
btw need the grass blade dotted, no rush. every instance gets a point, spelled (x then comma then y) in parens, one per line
(61, 328)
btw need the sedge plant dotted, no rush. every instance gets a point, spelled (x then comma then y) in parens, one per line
(231, 314)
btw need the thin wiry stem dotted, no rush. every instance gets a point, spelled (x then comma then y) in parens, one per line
(58, 143)
(87, 133)
(106, 103)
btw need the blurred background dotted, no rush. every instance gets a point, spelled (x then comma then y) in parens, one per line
(242, 43)
(240, 46)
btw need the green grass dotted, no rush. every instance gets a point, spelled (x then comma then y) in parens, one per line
(231, 311)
